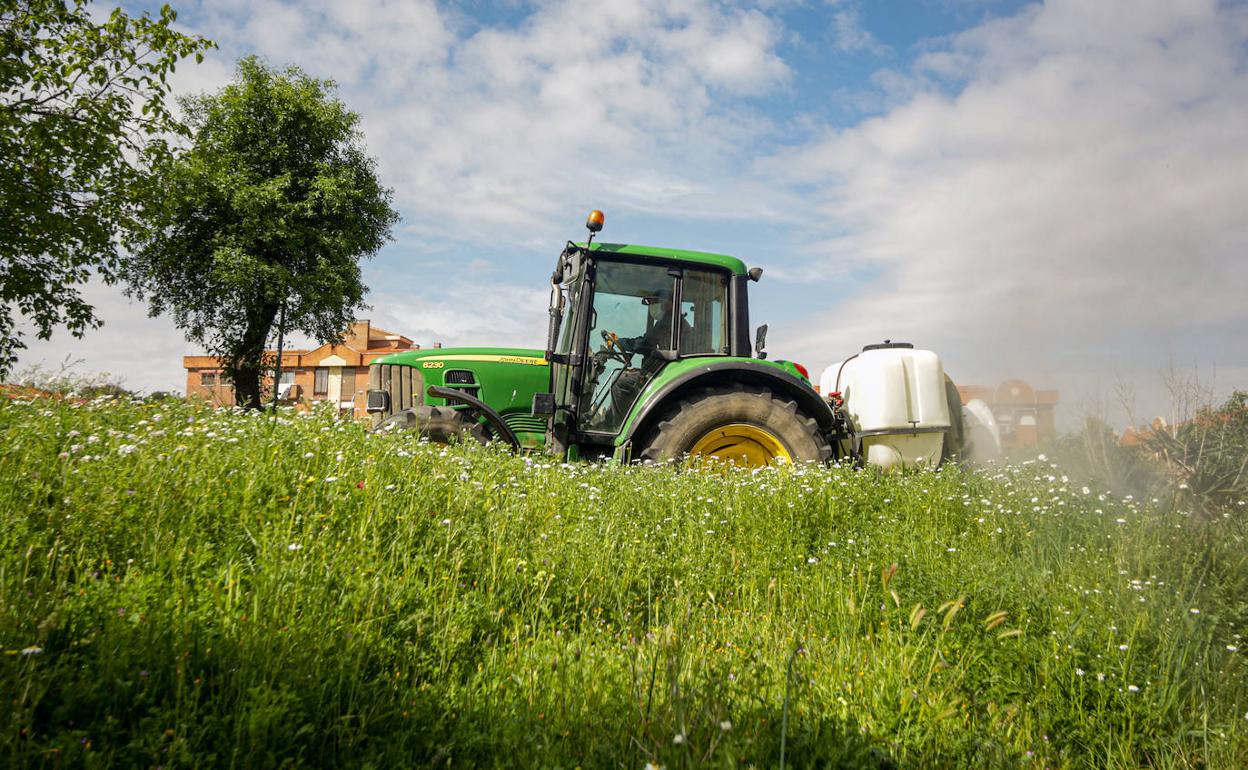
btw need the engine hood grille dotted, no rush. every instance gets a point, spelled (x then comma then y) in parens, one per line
(405, 385)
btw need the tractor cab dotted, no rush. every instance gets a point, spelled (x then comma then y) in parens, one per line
(621, 318)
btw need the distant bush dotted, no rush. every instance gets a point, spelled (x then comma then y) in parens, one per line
(64, 381)
(1199, 465)
(1203, 461)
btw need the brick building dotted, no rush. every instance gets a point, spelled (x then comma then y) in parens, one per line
(1024, 415)
(334, 373)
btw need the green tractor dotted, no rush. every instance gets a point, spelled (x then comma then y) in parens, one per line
(648, 358)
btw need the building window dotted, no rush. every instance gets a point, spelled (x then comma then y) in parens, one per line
(320, 385)
(348, 383)
(208, 379)
(285, 384)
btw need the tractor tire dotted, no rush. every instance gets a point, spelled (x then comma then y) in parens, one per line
(955, 439)
(747, 427)
(439, 424)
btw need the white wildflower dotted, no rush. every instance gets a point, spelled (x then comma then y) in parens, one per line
(678, 739)
(1132, 688)
(293, 547)
(32, 650)
(725, 725)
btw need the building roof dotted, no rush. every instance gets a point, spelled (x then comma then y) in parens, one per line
(361, 343)
(381, 334)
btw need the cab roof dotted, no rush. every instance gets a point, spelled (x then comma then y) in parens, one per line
(721, 261)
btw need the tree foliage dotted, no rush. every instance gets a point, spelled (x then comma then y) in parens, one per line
(1205, 459)
(275, 202)
(81, 103)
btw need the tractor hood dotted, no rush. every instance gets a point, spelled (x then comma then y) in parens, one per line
(453, 357)
(504, 378)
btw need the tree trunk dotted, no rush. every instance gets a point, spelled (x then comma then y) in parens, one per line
(248, 365)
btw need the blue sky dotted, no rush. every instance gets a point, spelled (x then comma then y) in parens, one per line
(1052, 190)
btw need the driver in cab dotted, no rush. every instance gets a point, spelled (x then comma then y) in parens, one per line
(658, 335)
(624, 350)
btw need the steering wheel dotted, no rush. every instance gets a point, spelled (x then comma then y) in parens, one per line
(611, 344)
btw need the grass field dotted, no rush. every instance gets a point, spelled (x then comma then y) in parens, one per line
(185, 588)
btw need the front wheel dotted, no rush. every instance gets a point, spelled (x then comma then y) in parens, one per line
(747, 428)
(439, 424)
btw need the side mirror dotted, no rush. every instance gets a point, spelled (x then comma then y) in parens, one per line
(760, 339)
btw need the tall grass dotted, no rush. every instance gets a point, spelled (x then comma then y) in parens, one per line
(186, 588)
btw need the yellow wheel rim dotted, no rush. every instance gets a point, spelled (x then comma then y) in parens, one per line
(745, 445)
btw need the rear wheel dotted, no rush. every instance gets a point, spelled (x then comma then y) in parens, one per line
(747, 428)
(439, 424)
(955, 439)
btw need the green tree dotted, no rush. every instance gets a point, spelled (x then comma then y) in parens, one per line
(274, 204)
(82, 102)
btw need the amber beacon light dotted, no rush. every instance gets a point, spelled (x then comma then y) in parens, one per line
(595, 221)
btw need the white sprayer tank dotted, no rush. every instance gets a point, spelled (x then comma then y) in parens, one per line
(895, 396)
(983, 437)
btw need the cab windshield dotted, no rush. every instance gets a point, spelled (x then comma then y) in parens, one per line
(634, 330)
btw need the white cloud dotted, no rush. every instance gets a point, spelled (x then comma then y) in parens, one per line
(849, 35)
(467, 312)
(495, 131)
(1074, 210)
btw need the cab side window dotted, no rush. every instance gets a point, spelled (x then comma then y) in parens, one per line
(704, 295)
